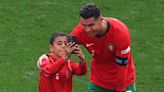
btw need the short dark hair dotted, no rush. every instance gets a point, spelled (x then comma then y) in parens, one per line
(90, 10)
(54, 35)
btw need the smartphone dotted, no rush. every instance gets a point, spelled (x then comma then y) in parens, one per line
(72, 39)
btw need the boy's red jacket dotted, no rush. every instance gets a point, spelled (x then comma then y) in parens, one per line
(56, 75)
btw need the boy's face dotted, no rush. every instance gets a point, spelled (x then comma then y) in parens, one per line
(58, 47)
(91, 25)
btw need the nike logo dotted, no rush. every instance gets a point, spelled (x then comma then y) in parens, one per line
(89, 44)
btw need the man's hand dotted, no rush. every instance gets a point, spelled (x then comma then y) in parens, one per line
(42, 58)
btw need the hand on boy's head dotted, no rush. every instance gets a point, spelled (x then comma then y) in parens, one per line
(41, 59)
(44, 56)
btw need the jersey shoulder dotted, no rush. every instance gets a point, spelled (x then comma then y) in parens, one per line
(118, 27)
(80, 34)
(77, 30)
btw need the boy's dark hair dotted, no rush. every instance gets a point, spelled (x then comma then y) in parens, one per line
(54, 35)
(90, 10)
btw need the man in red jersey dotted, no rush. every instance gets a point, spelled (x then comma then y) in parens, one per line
(108, 41)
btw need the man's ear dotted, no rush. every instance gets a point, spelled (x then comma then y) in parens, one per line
(101, 18)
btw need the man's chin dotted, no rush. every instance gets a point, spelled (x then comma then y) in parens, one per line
(91, 35)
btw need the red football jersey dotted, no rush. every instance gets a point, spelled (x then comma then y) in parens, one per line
(56, 75)
(105, 72)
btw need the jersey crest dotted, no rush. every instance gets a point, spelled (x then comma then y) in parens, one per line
(111, 48)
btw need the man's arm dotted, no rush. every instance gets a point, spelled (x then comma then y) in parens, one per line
(122, 54)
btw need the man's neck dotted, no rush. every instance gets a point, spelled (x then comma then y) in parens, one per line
(103, 29)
